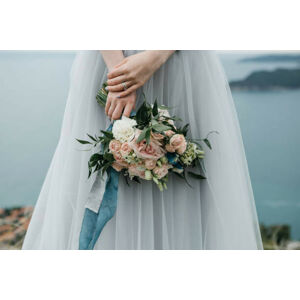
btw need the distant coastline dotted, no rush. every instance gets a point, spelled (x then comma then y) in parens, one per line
(269, 80)
(273, 58)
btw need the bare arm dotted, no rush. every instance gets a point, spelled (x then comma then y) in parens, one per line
(112, 57)
(135, 70)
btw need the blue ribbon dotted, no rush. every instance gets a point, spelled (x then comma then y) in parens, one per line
(172, 158)
(93, 223)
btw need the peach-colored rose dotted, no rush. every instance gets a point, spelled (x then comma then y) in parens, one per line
(157, 136)
(135, 170)
(117, 166)
(181, 149)
(114, 145)
(125, 149)
(162, 171)
(178, 142)
(170, 148)
(144, 150)
(117, 156)
(169, 133)
(150, 164)
(119, 159)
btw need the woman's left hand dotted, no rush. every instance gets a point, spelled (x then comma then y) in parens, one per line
(134, 71)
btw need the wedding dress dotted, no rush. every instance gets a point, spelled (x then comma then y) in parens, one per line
(216, 213)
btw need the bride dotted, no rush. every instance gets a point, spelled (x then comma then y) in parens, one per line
(216, 213)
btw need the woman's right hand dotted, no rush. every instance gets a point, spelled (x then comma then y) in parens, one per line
(115, 105)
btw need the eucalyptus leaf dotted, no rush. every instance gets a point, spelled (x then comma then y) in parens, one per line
(107, 134)
(91, 137)
(155, 108)
(207, 142)
(96, 157)
(83, 142)
(161, 127)
(147, 135)
(142, 135)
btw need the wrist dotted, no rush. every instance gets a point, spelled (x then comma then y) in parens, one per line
(159, 57)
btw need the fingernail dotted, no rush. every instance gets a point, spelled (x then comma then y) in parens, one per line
(118, 97)
(106, 88)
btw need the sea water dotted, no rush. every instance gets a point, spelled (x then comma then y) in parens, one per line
(33, 92)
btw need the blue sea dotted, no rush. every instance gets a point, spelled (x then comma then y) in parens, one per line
(33, 92)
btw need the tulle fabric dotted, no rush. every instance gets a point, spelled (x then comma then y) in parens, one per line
(217, 213)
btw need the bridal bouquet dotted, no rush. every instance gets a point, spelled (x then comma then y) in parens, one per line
(146, 146)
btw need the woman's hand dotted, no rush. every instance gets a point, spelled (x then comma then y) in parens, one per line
(115, 105)
(134, 71)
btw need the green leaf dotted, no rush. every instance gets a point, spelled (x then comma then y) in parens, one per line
(108, 134)
(161, 127)
(108, 156)
(96, 157)
(153, 122)
(142, 135)
(197, 176)
(147, 135)
(91, 137)
(207, 142)
(144, 114)
(155, 108)
(83, 142)
(135, 178)
(101, 96)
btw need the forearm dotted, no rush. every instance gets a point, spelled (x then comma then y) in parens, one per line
(112, 57)
(159, 57)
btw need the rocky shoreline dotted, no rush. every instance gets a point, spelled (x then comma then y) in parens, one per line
(13, 226)
(14, 223)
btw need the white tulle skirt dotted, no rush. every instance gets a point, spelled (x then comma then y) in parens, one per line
(217, 213)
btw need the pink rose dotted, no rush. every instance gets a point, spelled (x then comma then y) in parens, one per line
(181, 149)
(170, 148)
(119, 159)
(157, 138)
(150, 164)
(125, 149)
(144, 150)
(114, 145)
(117, 156)
(178, 142)
(169, 133)
(117, 166)
(162, 171)
(135, 170)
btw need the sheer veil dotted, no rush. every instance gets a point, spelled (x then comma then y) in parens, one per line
(217, 213)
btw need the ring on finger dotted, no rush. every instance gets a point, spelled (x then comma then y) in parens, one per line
(124, 86)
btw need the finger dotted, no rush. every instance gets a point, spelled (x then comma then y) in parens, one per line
(107, 105)
(128, 109)
(116, 80)
(129, 91)
(120, 87)
(118, 111)
(112, 108)
(116, 72)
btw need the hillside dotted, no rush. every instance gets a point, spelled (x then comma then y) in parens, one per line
(266, 80)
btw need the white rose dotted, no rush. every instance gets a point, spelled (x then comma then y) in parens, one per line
(123, 130)
(165, 113)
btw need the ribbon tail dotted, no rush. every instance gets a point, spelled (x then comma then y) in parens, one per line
(93, 223)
